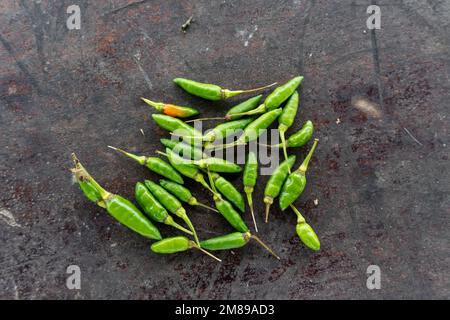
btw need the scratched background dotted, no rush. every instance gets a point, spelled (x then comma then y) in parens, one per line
(379, 101)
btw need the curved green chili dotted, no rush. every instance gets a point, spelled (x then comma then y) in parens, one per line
(233, 241)
(276, 181)
(182, 193)
(171, 109)
(178, 244)
(286, 119)
(295, 182)
(305, 232)
(154, 164)
(249, 179)
(121, 209)
(211, 91)
(227, 189)
(170, 203)
(298, 139)
(277, 97)
(301, 137)
(154, 209)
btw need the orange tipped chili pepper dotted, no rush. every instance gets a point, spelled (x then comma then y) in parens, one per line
(171, 109)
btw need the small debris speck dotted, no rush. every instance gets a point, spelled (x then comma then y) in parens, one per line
(338, 121)
(186, 25)
(316, 202)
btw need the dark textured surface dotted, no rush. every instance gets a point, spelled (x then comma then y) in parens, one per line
(383, 197)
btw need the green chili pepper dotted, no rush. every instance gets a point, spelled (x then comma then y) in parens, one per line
(154, 164)
(87, 184)
(182, 149)
(277, 97)
(235, 112)
(177, 127)
(286, 119)
(233, 241)
(226, 209)
(301, 137)
(211, 91)
(170, 203)
(120, 208)
(171, 109)
(250, 176)
(127, 214)
(178, 244)
(187, 169)
(226, 129)
(227, 189)
(275, 183)
(245, 106)
(214, 164)
(295, 182)
(298, 139)
(232, 216)
(154, 209)
(305, 232)
(258, 126)
(254, 129)
(182, 193)
(218, 165)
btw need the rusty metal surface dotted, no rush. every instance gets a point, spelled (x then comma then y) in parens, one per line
(379, 101)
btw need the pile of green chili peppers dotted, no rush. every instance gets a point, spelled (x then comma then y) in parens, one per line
(167, 200)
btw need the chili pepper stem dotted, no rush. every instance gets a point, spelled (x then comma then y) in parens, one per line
(157, 106)
(300, 218)
(179, 227)
(283, 142)
(202, 181)
(161, 153)
(205, 206)
(191, 227)
(265, 246)
(139, 159)
(250, 204)
(194, 245)
(231, 93)
(304, 166)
